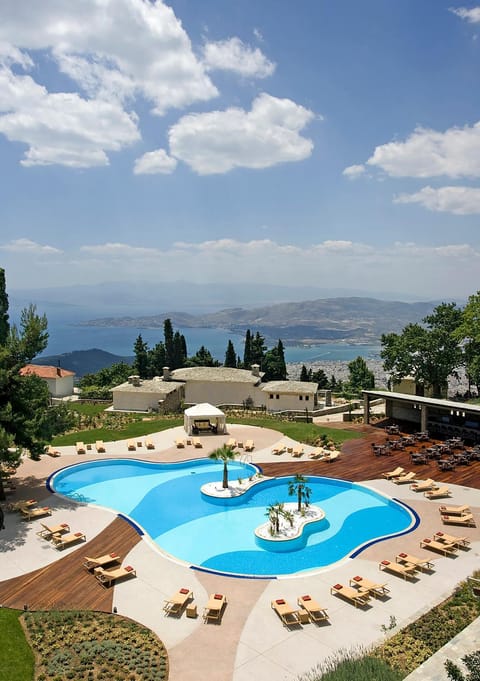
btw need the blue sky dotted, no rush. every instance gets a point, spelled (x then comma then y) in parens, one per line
(309, 143)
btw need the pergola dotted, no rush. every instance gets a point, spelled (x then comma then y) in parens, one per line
(204, 412)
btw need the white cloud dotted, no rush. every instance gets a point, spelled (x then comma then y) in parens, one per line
(354, 171)
(119, 250)
(154, 162)
(219, 141)
(234, 55)
(471, 15)
(428, 153)
(28, 247)
(456, 200)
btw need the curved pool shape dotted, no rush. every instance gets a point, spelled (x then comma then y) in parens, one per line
(165, 500)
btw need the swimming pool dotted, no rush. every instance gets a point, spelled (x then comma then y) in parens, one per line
(165, 500)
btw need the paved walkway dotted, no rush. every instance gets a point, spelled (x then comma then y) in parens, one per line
(251, 643)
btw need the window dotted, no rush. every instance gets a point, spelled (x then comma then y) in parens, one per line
(278, 397)
(300, 397)
(271, 396)
(307, 397)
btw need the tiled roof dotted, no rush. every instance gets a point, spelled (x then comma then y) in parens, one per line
(290, 387)
(154, 385)
(44, 371)
(220, 374)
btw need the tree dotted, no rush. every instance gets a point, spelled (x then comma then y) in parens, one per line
(257, 349)
(168, 338)
(179, 345)
(157, 359)
(141, 364)
(320, 378)
(224, 454)
(298, 487)
(468, 335)
(202, 358)
(429, 353)
(274, 512)
(360, 376)
(304, 374)
(247, 352)
(274, 364)
(4, 325)
(230, 356)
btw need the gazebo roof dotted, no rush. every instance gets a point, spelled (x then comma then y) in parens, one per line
(204, 409)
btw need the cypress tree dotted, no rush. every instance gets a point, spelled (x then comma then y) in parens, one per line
(230, 356)
(140, 350)
(304, 374)
(247, 353)
(4, 325)
(168, 337)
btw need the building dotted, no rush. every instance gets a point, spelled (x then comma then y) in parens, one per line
(219, 385)
(289, 395)
(59, 381)
(155, 394)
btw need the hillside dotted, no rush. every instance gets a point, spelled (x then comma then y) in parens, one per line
(83, 361)
(349, 319)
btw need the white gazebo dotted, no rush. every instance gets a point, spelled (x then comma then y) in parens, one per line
(204, 417)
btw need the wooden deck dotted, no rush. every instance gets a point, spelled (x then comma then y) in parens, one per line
(66, 584)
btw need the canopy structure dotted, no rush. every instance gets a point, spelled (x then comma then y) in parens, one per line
(204, 417)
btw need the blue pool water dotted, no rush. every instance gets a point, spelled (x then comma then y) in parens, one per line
(165, 500)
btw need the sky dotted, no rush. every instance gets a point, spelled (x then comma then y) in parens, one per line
(323, 143)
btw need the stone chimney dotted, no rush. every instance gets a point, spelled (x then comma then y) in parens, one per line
(59, 372)
(256, 370)
(166, 374)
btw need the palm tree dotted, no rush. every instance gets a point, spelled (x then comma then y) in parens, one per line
(274, 511)
(298, 487)
(224, 454)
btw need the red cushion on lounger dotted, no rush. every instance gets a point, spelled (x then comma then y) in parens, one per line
(427, 541)
(128, 568)
(385, 562)
(114, 555)
(31, 501)
(280, 601)
(79, 534)
(184, 591)
(218, 597)
(439, 534)
(306, 598)
(358, 579)
(338, 586)
(64, 525)
(402, 555)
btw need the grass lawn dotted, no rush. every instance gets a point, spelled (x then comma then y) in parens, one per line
(16, 656)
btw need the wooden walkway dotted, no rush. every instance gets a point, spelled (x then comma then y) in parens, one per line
(66, 584)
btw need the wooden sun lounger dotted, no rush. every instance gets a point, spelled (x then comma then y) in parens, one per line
(438, 493)
(231, 442)
(452, 539)
(355, 596)
(175, 604)
(374, 589)
(196, 442)
(214, 608)
(108, 577)
(80, 448)
(51, 451)
(179, 443)
(331, 456)
(317, 453)
(149, 444)
(466, 520)
(249, 446)
(298, 451)
(278, 449)
(131, 446)
(101, 561)
(442, 547)
(62, 541)
(32, 513)
(394, 474)
(407, 559)
(454, 510)
(22, 504)
(284, 610)
(316, 612)
(49, 530)
(424, 485)
(99, 446)
(405, 571)
(408, 477)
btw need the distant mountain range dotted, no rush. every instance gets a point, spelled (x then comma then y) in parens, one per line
(83, 361)
(354, 319)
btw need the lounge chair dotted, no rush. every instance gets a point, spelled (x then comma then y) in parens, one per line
(331, 456)
(442, 547)
(231, 442)
(405, 571)
(402, 479)
(424, 485)
(359, 597)
(438, 493)
(317, 453)
(298, 451)
(466, 520)
(316, 612)
(131, 446)
(49, 530)
(80, 448)
(99, 446)
(249, 446)
(396, 473)
(108, 577)
(149, 444)
(452, 539)
(196, 442)
(19, 505)
(214, 608)
(62, 541)
(100, 561)
(51, 451)
(278, 449)
(175, 604)
(454, 510)
(374, 589)
(32, 513)
(421, 563)
(179, 443)
(284, 610)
